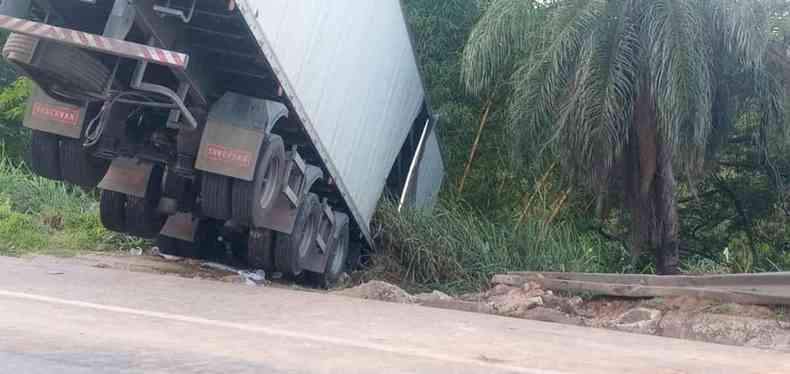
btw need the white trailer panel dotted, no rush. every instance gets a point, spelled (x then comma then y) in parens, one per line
(349, 70)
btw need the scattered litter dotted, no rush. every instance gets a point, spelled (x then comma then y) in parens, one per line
(137, 251)
(253, 278)
(55, 272)
(170, 257)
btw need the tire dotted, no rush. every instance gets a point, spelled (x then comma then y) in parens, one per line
(268, 181)
(167, 245)
(45, 155)
(215, 196)
(290, 249)
(336, 265)
(242, 202)
(260, 250)
(142, 215)
(78, 166)
(112, 211)
(55, 65)
(207, 233)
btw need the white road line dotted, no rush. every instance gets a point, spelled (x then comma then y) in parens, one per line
(276, 332)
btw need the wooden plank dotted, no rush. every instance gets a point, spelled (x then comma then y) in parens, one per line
(734, 280)
(636, 290)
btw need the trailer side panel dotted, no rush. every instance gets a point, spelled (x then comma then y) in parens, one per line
(349, 70)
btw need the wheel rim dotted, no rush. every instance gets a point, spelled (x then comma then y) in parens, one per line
(270, 182)
(308, 236)
(340, 254)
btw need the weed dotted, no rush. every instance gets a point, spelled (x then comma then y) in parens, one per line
(45, 216)
(454, 250)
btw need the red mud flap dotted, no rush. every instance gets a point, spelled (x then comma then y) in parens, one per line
(49, 115)
(128, 176)
(116, 47)
(181, 226)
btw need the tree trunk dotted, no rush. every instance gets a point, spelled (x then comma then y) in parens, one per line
(651, 189)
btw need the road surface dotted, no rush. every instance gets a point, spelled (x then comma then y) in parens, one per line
(68, 318)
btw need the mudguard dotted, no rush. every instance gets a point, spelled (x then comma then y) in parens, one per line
(181, 226)
(46, 114)
(232, 139)
(283, 214)
(128, 176)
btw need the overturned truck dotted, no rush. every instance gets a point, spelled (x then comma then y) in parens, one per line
(269, 129)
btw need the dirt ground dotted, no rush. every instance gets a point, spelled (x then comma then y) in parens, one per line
(680, 317)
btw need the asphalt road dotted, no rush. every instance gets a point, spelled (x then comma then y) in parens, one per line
(68, 318)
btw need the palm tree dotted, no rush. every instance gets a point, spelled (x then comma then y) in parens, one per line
(630, 95)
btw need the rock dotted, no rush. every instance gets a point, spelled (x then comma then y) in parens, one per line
(551, 315)
(724, 329)
(378, 290)
(566, 305)
(462, 305)
(516, 302)
(638, 320)
(499, 289)
(533, 289)
(639, 315)
(432, 296)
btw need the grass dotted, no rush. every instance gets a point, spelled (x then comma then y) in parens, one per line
(454, 250)
(38, 215)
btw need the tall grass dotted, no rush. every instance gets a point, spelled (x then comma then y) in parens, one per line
(41, 215)
(454, 250)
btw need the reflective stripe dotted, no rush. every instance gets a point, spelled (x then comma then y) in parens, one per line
(96, 42)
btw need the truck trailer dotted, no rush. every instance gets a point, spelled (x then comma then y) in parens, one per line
(269, 129)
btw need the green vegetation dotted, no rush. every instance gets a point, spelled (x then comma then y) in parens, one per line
(540, 96)
(43, 216)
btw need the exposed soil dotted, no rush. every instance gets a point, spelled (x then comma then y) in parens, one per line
(677, 317)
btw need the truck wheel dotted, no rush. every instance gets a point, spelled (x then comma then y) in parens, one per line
(53, 64)
(44, 155)
(142, 215)
(205, 242)
(252, 201)
(112, 210)
(338, 256)
(167, 245)
(268, 180)
(77, 166)
(215, 196)
(260, 250)
(291, 249)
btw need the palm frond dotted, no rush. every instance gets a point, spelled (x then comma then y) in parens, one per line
(501, 34)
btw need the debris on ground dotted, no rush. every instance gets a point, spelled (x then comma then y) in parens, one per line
(677, 317)
(378, 290)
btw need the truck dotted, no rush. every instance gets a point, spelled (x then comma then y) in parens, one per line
(265, 129)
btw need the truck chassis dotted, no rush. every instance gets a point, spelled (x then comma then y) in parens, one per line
(168, 108)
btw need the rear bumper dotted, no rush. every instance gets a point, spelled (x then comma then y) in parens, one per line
(116, 47)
